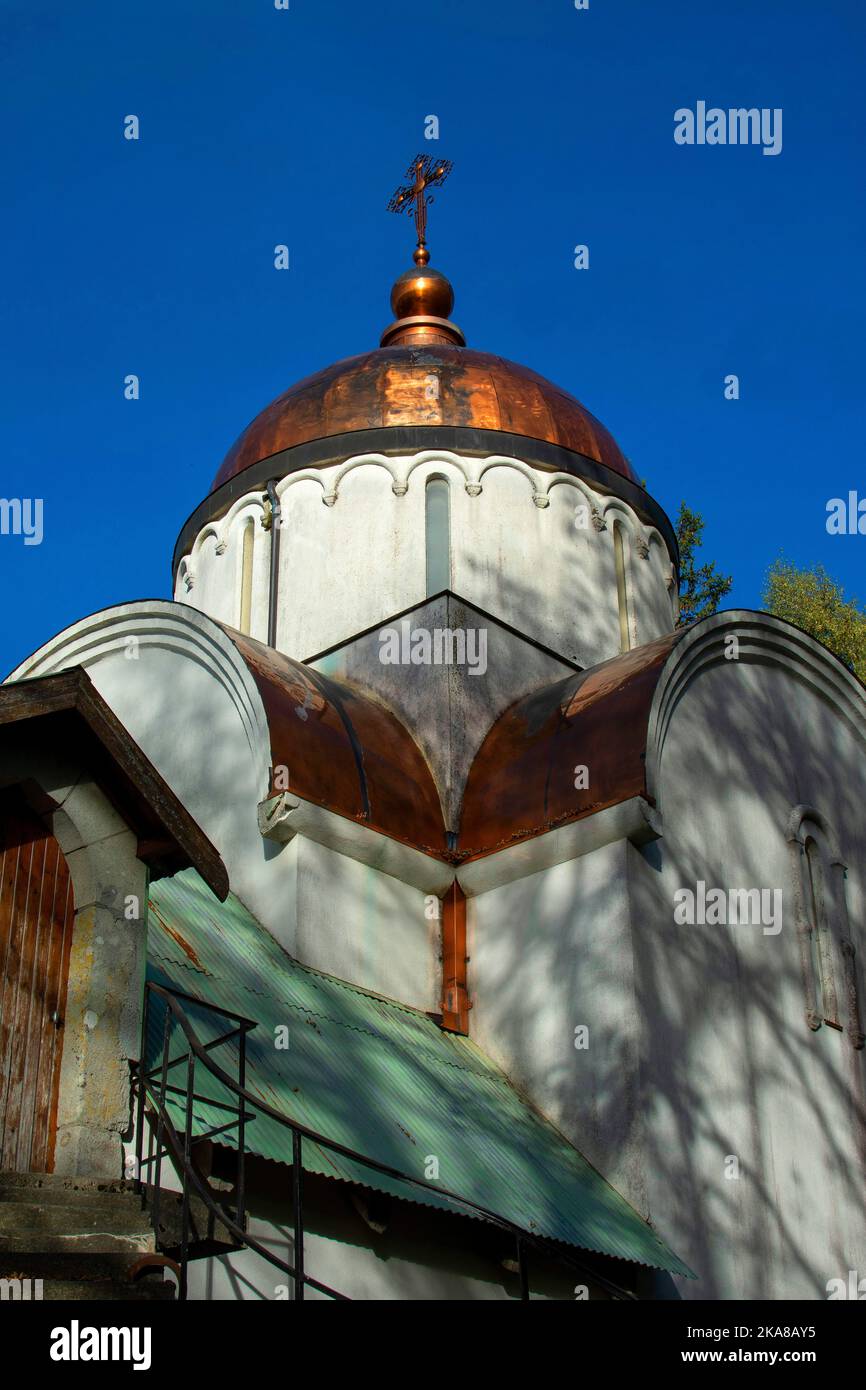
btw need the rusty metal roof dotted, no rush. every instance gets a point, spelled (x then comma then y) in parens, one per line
(349, 753)
(379, 1078)
(521, 782)
(431, 385)
(344, 750)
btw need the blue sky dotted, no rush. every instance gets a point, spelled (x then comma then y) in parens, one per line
(261, 127)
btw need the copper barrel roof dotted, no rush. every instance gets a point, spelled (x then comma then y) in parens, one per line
(349, 753)
(434, 385)
(521, 782)
(343, 750)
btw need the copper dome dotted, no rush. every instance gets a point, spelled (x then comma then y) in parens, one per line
(436, 384)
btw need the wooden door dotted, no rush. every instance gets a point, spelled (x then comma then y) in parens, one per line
(36, 918)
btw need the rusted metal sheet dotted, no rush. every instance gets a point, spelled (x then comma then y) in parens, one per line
(393, 386)
(36, 920)
(343, 750)
(522, 782)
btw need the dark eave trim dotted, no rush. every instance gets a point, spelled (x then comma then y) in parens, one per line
(67, 706)
(411, 439)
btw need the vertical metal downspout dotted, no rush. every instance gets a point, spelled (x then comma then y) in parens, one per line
(455, 995)
(273, 592)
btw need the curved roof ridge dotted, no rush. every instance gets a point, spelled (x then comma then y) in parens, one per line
(522, 780)
(344, 750)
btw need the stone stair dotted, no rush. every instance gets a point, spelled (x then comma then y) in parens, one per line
(85, 1238)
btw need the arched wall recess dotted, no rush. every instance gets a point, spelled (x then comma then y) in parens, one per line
(437, 534)
(246, 585)
(827, 956)
(622, 587)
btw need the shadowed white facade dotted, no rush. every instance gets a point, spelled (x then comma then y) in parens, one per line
(532, 548)
(699, 1049)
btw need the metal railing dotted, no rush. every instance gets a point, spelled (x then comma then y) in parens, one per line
(152, 1091)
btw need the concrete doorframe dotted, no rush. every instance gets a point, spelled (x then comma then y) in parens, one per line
(105, 990)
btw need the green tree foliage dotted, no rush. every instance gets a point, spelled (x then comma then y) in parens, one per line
(816, 603)
(702, 588)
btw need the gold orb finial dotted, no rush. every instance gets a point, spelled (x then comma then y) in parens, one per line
(423, 298)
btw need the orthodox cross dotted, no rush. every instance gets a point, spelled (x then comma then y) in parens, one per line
(425, 172)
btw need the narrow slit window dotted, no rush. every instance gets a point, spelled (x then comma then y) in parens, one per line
(815, 925)
(438, 537)
(821, 941)
(247, 577)
(621, 589)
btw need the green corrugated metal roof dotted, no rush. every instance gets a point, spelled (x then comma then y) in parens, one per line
(378, 1077)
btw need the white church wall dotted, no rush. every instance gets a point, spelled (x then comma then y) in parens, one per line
(550, 954)
(527, 546)
(703, 1094)
(648, 573)
(422, 1254)
(178, 685)
(365, 927)
(345, 565)
(753, 1164)
(661, 604)
(213, 595)
(351, 1268)
(211, 577)
(246, 530)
